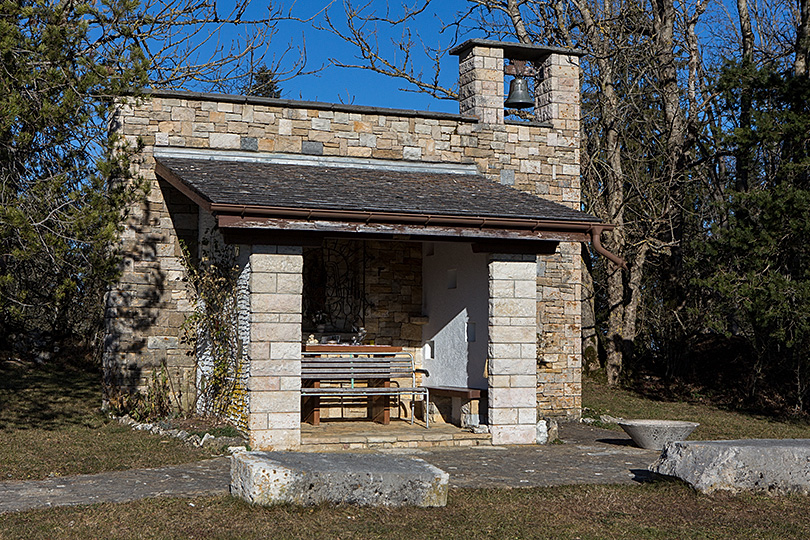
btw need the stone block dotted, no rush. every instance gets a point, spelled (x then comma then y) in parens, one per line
(290, 350)
(776, 466)
(513, 434)
(512, 397)
(263, 384)
(310, 479)
(289, 283)
(263, 282)
(512, 307)
(274, 401)
(225, 140)
(512, 334)
(287, 264)
(275, 303)
(275, 332)
(314, 148)
(162, 342)
(503, 416)
(512, 270)
(284, 420)
(321, 124)
(511, 366)
(273, 368)
(275, 439)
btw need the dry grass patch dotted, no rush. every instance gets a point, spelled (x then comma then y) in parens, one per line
(661, 510)
(51, 424)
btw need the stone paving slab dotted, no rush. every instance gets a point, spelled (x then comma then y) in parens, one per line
(210, 477)
(589, 456)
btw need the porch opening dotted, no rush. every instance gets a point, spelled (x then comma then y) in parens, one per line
(393, 296)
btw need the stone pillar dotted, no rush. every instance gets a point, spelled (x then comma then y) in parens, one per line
(557, 91)
(512, 349)
(275, 347)
(559, 276)
(480, 91)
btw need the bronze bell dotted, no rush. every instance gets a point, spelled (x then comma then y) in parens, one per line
(519, 97)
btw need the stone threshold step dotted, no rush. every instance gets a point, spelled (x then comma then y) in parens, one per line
(315, 446)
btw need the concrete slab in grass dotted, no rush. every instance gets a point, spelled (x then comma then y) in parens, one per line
(770, 465)
(361, 479)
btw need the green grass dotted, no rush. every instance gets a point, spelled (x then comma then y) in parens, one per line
(51, 424)
(715, 423)
(664, 510)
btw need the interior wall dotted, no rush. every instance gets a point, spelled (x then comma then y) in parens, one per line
(455, 300)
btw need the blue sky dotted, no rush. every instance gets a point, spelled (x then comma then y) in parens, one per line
(361, 87)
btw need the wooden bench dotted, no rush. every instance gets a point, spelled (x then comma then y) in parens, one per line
(464, 407)
(363, 373)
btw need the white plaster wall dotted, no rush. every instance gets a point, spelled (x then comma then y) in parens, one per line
(455, 361)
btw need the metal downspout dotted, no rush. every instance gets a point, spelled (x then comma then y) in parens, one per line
(596, 232)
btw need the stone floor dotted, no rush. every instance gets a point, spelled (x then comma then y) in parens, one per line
(336, 435)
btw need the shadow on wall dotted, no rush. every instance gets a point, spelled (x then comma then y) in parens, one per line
(144, 312)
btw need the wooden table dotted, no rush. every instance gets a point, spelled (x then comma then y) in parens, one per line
(379, 407)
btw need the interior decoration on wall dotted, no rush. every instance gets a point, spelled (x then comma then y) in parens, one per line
(334, 287)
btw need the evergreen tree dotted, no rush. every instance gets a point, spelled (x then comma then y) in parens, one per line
(262, 83)
(761, 272)
(63, 65)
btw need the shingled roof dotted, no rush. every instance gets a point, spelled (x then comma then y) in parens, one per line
(256, 185)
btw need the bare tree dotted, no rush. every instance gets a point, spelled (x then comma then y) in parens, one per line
(196, 43)
(644, 107)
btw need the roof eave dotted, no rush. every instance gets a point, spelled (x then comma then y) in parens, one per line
(366, 216)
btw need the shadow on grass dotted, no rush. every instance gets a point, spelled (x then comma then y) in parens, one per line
(49, 396)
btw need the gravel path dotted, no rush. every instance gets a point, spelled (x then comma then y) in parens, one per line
(588, 456)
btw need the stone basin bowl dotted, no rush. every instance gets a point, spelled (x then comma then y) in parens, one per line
(655, 434)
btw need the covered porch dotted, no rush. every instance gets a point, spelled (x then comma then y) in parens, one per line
(432, 259)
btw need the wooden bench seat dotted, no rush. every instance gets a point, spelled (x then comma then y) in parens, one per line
(455, 391)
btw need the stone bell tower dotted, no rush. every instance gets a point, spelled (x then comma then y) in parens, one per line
(481, 81)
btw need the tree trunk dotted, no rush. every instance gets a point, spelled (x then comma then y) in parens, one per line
(743, 157)
(802, 40)
(613, 192)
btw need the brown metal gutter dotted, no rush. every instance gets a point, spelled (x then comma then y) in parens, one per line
(309, 214)
(364, 216)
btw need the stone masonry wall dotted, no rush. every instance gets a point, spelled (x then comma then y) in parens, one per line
(145, 311)
(394, 289)
(536, 158)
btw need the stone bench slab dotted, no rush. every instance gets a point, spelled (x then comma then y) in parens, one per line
(771, 465)
(307, 479)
